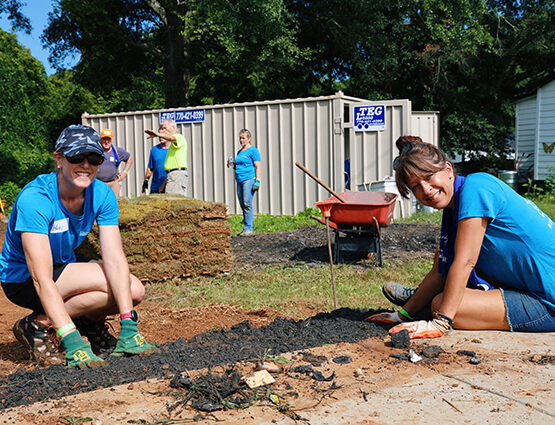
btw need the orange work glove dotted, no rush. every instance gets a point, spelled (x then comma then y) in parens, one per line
(440, 325)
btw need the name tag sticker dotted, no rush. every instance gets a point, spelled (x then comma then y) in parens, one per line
(60, 226)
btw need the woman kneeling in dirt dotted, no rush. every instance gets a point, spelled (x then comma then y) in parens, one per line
(70, 296)
(495, 265)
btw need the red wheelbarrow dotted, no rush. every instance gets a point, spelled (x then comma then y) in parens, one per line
(357, 221)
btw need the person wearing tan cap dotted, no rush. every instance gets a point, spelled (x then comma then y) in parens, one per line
(108, 170)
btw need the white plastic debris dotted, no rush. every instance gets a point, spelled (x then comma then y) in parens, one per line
(414, 357)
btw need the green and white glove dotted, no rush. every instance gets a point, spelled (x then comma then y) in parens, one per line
(79, 353)
(130, 341)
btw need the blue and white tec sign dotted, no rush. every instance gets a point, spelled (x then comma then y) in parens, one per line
(185, 116)
(369, 118)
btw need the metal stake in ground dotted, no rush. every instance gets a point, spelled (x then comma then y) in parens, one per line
(331, 264)
(326, 214)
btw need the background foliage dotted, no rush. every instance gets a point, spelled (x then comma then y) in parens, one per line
(466, 59)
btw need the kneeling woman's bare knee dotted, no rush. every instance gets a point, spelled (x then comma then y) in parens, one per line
(137, 290)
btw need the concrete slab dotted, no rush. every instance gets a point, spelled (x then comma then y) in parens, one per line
(513, 383)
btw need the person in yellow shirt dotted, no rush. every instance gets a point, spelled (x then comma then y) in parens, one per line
(176, 159)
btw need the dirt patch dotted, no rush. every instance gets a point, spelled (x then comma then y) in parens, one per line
(308, 246)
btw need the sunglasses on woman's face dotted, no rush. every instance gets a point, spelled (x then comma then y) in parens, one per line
(92, 158)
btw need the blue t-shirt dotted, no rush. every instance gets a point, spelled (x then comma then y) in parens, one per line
(518, 249)
(156, 164)
(244, 164)
(38, 209)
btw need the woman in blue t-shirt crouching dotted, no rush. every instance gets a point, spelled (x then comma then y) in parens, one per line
(70, 296)
(495, 264)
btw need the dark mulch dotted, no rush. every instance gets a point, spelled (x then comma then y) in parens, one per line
(241, 342)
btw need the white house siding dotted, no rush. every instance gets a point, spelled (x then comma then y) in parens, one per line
(546, 131)
(526, 131)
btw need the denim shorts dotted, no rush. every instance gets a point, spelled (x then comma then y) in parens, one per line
(526, 313)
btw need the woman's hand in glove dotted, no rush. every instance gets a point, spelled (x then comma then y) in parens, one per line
(434, 328)
(385, 317)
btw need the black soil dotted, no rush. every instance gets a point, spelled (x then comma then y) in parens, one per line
(241, 342)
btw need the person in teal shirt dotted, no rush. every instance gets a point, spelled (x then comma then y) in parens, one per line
(247, 175)
(70, 296)
(155, 167)
(489, 230)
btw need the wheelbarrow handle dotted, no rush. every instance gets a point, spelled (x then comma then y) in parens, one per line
(320, 182)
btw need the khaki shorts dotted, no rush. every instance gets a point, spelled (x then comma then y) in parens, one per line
(176, 182)
(115, 185)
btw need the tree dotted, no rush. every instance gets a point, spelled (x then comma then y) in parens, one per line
(24, 151)
(466, 59)
(120, 41)
(19, 21)
(246, 50)
(214, 51)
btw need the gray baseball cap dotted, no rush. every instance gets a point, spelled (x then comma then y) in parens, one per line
(77, 139)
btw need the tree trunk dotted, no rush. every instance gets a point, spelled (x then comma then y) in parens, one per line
(176, 69)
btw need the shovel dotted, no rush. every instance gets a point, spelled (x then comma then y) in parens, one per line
(320, 182)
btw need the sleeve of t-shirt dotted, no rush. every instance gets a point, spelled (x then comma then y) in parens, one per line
(123, 154)
(150, 161)
(34, 212)
(256, 155)
(179, 140)
(480, 196)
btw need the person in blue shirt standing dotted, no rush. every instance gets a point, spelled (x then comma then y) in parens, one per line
(70, 296)
(155, 167)
(495, 264)
(247, 175)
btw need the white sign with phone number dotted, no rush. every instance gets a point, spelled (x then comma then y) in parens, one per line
(369, 118)
(186, 116)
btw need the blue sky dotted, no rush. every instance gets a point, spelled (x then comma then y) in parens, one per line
(37, 12)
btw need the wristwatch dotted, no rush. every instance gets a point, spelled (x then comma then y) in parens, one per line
(130, 315)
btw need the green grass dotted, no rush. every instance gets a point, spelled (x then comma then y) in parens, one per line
(288, 290)
(421, 217)
(546, 203)
(266, 223)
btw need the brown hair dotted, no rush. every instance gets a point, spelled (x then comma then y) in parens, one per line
(416, 158)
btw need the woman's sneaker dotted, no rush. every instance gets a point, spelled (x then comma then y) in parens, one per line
(40, 339)
(397, 293)
(98, 334)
